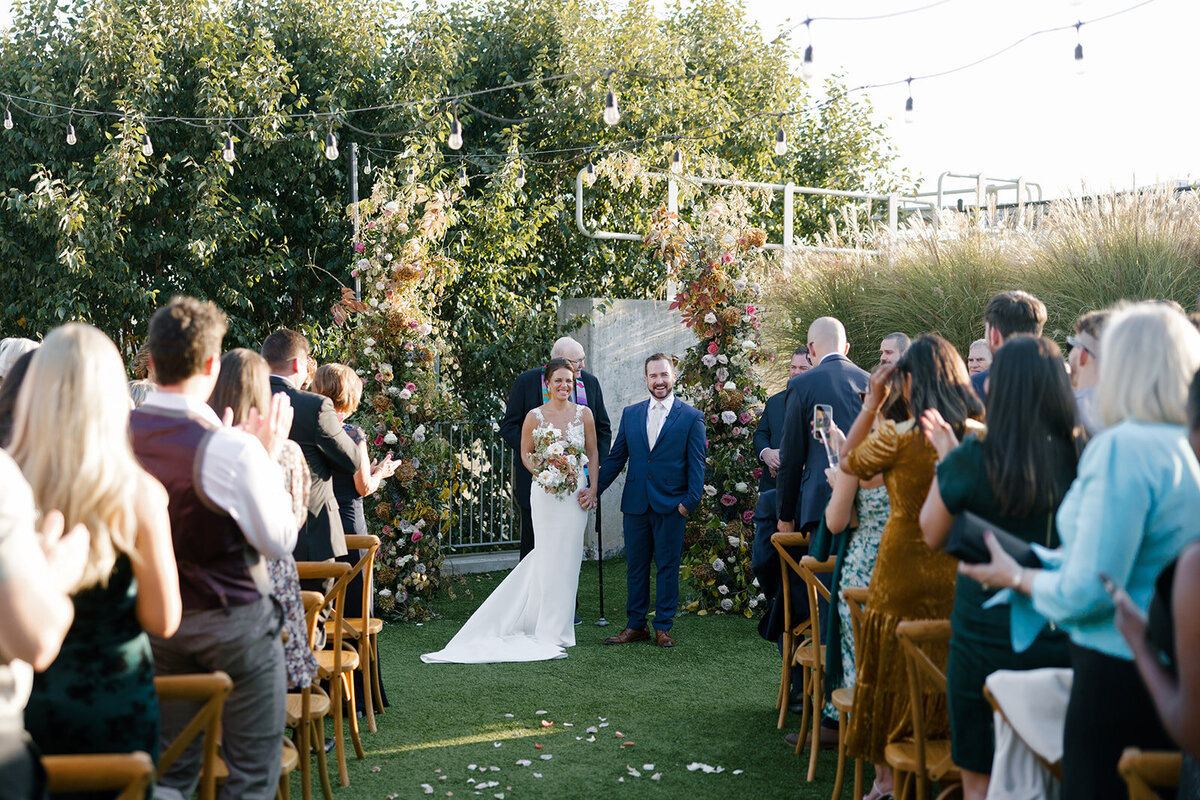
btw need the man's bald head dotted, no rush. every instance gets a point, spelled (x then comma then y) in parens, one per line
(826, 335)
(571, 350)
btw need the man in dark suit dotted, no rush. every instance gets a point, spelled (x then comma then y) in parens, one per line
(326, 446)
(769, 432)
(662, 440)
(527, 393)
(1008, 314)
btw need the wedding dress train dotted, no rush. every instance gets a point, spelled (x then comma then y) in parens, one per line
(531, 615)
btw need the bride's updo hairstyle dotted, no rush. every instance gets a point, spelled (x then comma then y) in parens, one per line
(554, 365)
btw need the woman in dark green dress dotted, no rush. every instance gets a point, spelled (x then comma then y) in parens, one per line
(71, 440)
(1014, 477)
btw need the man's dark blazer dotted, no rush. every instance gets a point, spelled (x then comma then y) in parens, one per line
(327, 449)
(977, 383)
(670, 474)
(802, 490)
(769, 433)
(526, 395)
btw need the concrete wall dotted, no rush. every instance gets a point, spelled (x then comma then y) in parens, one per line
(617, 337)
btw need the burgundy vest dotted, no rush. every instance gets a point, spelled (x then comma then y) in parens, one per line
(217, 567)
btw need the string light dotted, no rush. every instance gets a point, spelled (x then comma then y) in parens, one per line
(908, 104)
(462, 177)
(455, 140)
(71, 140)
(781, 145)
(677, 162)
(411, 174)
(589, 176)
(227, 152)
(147, 147)
(807, 70)
(367, 167)
(612, 114)
(8, 123)
(1079, 65)
(331, 148)
(520, 181)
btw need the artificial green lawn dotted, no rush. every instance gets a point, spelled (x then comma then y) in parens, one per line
(710, 700)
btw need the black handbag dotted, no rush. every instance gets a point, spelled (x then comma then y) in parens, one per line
(966, 542)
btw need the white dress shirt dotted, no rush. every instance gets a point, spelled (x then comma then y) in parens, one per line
(241, 479)
(653, 426)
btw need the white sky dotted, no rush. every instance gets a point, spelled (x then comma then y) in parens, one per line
(1129, 120)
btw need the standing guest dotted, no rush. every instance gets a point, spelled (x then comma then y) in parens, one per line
(326, 447)
(139, 390)
(244, 385)
(529, 391)
(1084, 358)
(71, 440)
(228, 508)
(1016, 478)
(9, 390)
(1008, 314)
(979, 357)
(769, 433)
(11, 350)
(38, 570)
(662, 440)
(910, 580)
(892, 347)
(1130, 511)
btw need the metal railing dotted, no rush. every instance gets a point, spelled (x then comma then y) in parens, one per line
(482, 511)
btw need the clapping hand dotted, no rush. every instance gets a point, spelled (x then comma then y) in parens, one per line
(386, 468)
(271, 429)
(877, 388)
(66, 554)
(938, 432)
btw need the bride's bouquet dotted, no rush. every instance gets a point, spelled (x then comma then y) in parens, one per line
(561, 458)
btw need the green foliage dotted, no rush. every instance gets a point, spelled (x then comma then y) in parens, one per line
(1082, 255)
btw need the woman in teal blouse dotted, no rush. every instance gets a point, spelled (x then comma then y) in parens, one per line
(1132, 508)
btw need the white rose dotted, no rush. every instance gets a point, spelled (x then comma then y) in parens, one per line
(405, 394)
(368, 350)
(730, 386)
(391, 207)
(739, 284)
(419, 434)
(726, 604)
(370, 342)
(718, 565)
(390, 438)
(728, 417)
(710, 318)
(363, 263)
(708, 360)
(711, 491)
(388, 256)
(748, 345)
(425, 329)
(754, 583)
(741, 487)
(403, 228)
(762, 598)
(734, 541)
(723, 589)
(723, 359)
(753, 603)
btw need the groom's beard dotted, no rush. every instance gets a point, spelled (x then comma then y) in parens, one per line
(660, 391)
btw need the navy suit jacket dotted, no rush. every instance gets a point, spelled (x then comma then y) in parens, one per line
(801, 489)
(662, 478)
(977, 382)
(769, 433)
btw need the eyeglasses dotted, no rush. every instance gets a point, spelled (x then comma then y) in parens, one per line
(577, 363)
(1073, 342)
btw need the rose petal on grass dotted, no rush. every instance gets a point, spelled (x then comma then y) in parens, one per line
(579, 738)
(470, 780)
(656, 776)
(737, 772)
(537, 774)
(376, 769)
(632, 771)
(603, 724)
(591, 738)
(620, 780)
(626, 744)
(509, 716)
(471, 767)
(648, 767)
(546, 756)
(619, 735)
(443, 777)
(496, 744)
(494, 769)
(592, 729)
(539, 713)
(425, 787)
(602, 719)
(547, 723)
(568, 724)
(523, 762)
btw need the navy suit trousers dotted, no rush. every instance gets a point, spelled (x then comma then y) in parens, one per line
(657, 536)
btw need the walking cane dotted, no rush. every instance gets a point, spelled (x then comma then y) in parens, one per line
(602, 622)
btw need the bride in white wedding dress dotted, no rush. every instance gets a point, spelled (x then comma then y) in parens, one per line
(531, 614)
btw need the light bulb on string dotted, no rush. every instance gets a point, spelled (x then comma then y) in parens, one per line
(589, 175)
(367, 167)
(331, 148)
(520, 181)
(71, 138)
(1080, 67)
(462, 177)
(807, 69)
(227, 152)
(908, 104)
(8, 123)
(147, 147)
(781, 146)
(612, 114)
(677, 162)
(411, 174)
(455, 140)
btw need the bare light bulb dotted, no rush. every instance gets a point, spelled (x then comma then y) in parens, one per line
(1080, 67)
(589, 175)
(612, 114)
(71, 140)
(8, 123)
(331, 148)
(227, 152)
(781, 146)
(147, 147)
(411, 175)
(807, 70)
(520, 181)
(462, 177)
(908, 110)
(677, 162)
(455, 140)
(367, 168)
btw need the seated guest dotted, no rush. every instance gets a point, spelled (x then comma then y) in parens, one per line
(36, 574)
(228, 508)
(1085, 366)
(243, 385)
(979, 358)
(910, 580)
(1014, 477)
(1130, 511)
(71, 440)
(8, 395)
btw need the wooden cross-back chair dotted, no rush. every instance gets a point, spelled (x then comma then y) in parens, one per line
(812, 659)
(127, 774)
(794, 632)
(209, 690)
(922, 760)
(856, 598)
(336, 663)
(365, 629)
(306, 712)
(1145, 771)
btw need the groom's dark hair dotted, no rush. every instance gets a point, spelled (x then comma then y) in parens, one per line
(658, 357)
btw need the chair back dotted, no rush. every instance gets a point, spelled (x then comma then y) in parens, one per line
(925, 678)
(334, 599)
(781, 542)
(807, 569)
(1145, 771)
(210, 690)
(371, 545)
(312, 604)
(128, 774)
(856, 598)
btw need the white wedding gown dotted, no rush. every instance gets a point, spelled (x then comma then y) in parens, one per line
(531, 614)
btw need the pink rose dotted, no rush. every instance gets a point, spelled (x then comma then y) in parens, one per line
(713, 418)
(387, 530)
(412, 387)
(748, 516)
(727, 258)
(737, 431)
(756, 473)
(712, 348)
(744, 418)
(416, 537)
(749, 309)
(379, 377)
(728, 500)
(379, 440)
(412, 323)
(354, 273)
(757, 325)
(371, 225)
(359, 247)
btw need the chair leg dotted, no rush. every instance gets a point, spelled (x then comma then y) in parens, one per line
(377, 689)
(858, 778)
(318, 727)
(818, 706)
(304, 745)
(285, 790)
(807, 705)
(364, 660)
(339, 744)
(353, 717)
(785, 680)
(840, 776)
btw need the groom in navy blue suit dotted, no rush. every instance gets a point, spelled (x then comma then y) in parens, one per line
(662, 440)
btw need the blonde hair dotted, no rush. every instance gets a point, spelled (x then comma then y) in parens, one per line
(1151, 353)
(71, 440)
(340, 384)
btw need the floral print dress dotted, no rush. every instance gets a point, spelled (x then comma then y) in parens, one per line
(285, 580)
(873, 508)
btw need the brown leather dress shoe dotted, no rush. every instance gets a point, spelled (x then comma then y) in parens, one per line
(628, 635)
(664, 639)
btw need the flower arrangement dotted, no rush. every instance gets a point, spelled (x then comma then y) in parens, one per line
(713, 264)
(392, 343)
(560, 457)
